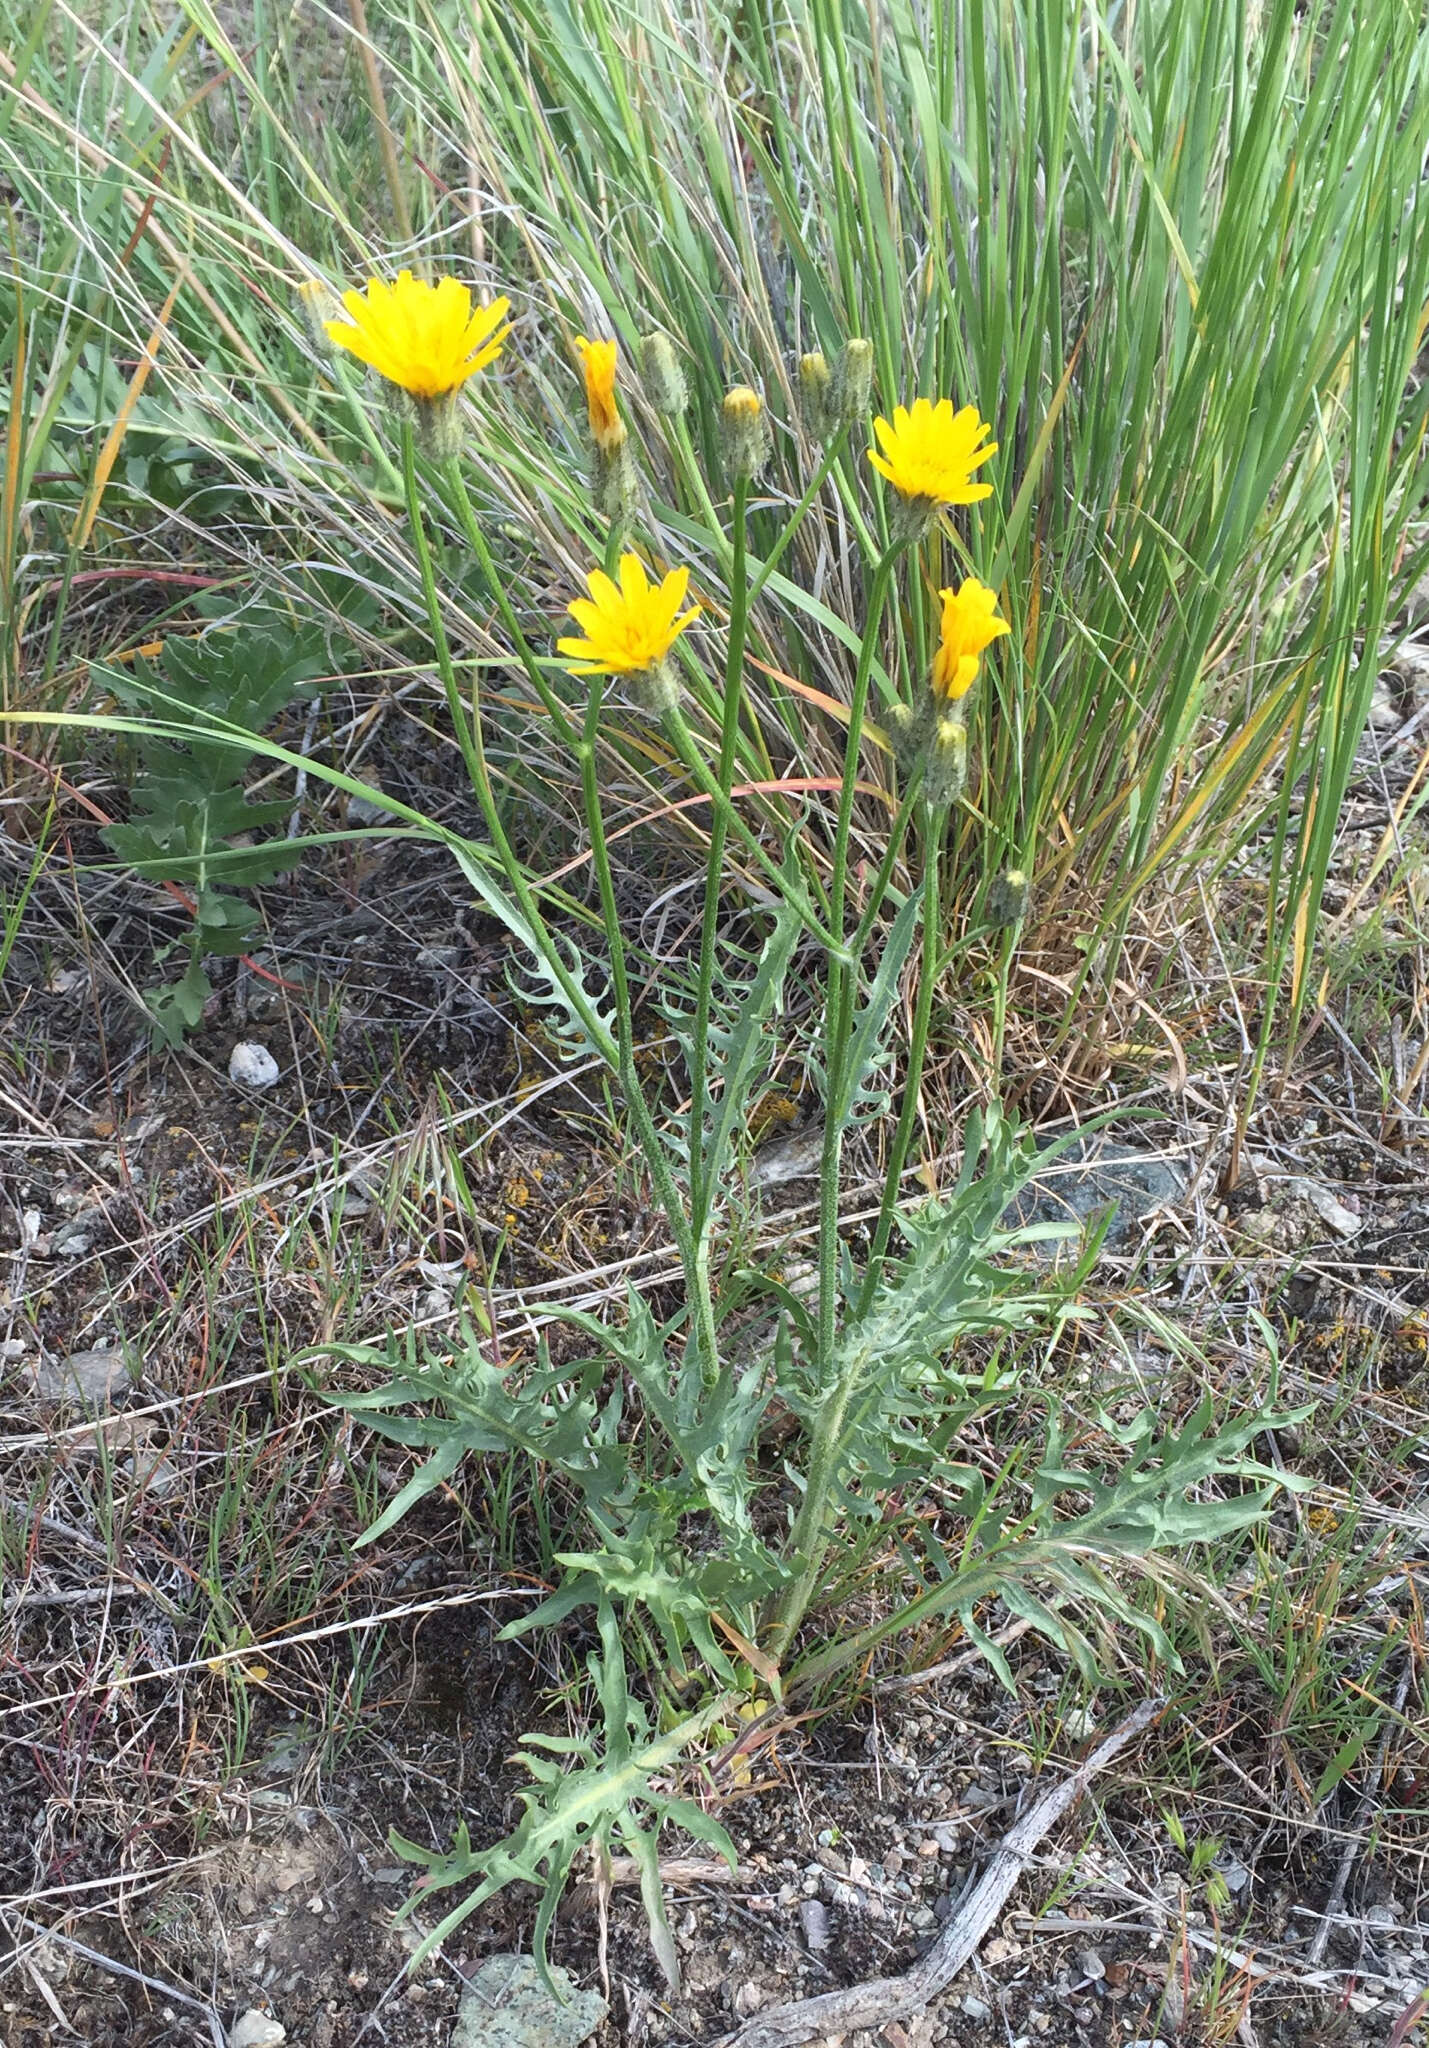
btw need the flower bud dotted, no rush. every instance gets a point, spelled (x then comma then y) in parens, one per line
(661, 375)
(744, 432)
(438, 423)
(655, 689)
(319, 303)
(945, 772)
(904, 735)
(616, 484)
(1009, 898)
(852, 394)
(815, 395)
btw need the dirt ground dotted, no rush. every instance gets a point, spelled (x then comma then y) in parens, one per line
(212, 1711)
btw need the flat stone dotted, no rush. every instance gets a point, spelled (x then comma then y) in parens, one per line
(367, 810)
(87, 1379)
(506, 2005)
(814, 1919)
(1096, 1173)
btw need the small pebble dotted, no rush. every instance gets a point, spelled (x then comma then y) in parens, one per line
(256, 2030)
(977, 2008)
(363, 810)
(1091, 1965)
(252, 1066)
(814, 1920)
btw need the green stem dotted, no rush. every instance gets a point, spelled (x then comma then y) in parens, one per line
(795, 519)
(618, 1053)
(469, 739)
(471, 527)
(683, 741)
(838, 1002)
(918, 1045)
(702, 1190)
(466, 726)
(808, 1538)
(693, 474)
(655, 1153)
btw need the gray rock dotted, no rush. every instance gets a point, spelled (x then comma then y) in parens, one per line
(976, 2008)
(73, 1239)
(1327, 1206)
(506, 2005)
(255, 2030)
(814, 1919)
(786, 1159)
(86, 1379)
(1098, 1172)
(252, 1066)
(366, 810)
(1091, 1965)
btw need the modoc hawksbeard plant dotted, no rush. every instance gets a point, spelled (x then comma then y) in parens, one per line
(683, 1537)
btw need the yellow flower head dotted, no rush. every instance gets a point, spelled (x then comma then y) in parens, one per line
(629, 627)
(930, 453)
(425, 338)
(598, 360)
(969, 625)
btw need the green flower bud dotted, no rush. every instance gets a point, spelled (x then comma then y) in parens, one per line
(945, 772)
(815, 395)
(318, 303)
(744, 432)
(661, 375)
(616, 483)
(852, 395)
(1010, 897)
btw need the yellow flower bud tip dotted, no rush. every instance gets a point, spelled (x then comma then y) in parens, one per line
(970, 624)
(928, 454)
(628, 628)
(1009, 897)
(660, 372)
(426, 339)
(945, 770)
(853, 382)
(746, 432)
(318, 303)
(598, 362)
(815, 402)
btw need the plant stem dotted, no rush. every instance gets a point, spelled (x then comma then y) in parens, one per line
(468, 732)
(683, 741)
(933, 825)
(838, 1001)
(792, 524)
(696, 1271)
(617, 1052)
(808, 1539)
(471, 527)
(701, 1188)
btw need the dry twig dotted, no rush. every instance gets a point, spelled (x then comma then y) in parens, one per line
(893, 1998)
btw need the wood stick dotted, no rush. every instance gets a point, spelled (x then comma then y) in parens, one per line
(893, 1998)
